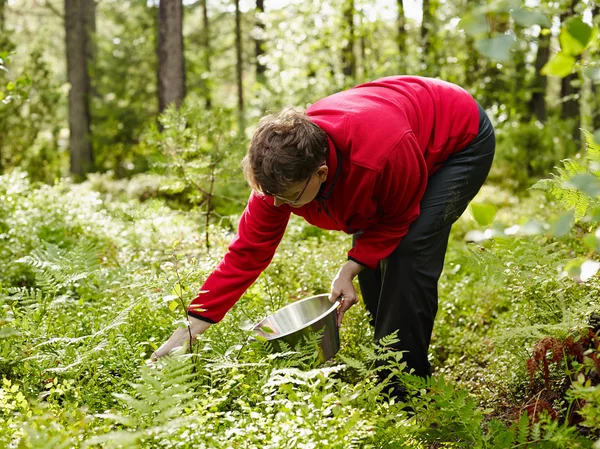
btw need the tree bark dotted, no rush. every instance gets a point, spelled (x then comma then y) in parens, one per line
(2, 15)
(537, 104)
(259, 43)
(207, 52)
(238, 65)
(427, 37)
(171, 63)
(595, 90)
(76, 40)
(348, 58)
(401, 36)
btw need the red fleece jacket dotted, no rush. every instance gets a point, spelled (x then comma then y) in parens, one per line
(385, 139)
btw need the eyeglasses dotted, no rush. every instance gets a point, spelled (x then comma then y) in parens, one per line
(287, 200)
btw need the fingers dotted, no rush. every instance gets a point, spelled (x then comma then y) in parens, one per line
(347, 302)
(181, 337)
(335, 294)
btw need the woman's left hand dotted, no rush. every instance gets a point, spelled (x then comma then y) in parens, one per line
(342, 288)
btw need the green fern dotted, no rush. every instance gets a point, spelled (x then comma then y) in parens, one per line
(559, 185)
(159, 405)
(56, 268)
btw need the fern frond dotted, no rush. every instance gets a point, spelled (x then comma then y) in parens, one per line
(56, 268)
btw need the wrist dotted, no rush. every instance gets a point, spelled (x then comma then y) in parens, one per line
(352, 268)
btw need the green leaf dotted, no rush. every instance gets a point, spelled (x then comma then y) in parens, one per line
(575, 36)
(595, 215)
(528, 18)
(474, 24)
(483, 213)
(592, 73)
(267, 329)
(10, 86)
(563, 225)
(561, 65)
(177, 290)
(597, 136)
(592, 240)
(497, 48)
(173, 305)
(581, 269)
(587, 183)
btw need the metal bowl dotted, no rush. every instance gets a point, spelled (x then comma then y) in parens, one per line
(292, 323)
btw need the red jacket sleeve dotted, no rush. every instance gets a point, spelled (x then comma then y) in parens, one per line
(260, 230)
(398, 192)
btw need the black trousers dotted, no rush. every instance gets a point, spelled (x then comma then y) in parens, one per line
(402, 293)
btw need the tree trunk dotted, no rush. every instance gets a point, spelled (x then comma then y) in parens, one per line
(568, 92)
(401, 36)
(207, 52)
(259, 50)
(2, 15)
(473, 65)
(238, 65)
(425, 36)
(595, 90)
(537, 104)
(89, 22)
(348, 58)
(76, 40)
(171, 63)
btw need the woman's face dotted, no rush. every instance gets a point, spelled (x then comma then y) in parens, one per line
(303, 192)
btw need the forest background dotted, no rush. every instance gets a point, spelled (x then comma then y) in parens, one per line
(122, 127)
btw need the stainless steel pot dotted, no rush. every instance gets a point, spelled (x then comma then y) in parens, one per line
(301, 319)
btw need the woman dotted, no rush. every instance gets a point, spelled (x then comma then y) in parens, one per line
(394, 162)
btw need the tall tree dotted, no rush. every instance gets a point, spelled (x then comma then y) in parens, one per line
(348, 58)
(207, 51)
(537, 103)
(401, 35)
(569, 92)
(259, 43)
(238, 65)
(171, 63)
(77, 39)
(2, 4)
(428, 48)
(595, 89)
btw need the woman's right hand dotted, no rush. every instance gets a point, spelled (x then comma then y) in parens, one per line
(181, 337)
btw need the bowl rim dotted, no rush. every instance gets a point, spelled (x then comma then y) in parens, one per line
(334, 306)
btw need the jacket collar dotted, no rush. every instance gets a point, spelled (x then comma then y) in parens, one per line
(334, 164)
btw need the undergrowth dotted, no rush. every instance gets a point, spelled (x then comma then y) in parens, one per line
(92, 284)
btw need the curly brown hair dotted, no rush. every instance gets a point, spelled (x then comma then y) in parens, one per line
(287, 148)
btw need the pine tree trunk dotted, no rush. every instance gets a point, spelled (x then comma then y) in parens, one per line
(207, 52)
(259, 50)
(537, 104)
(473, 66)
(401, 36)
(2, 15)
(348, 58)
(238, 65)
(76, 40)
(428, 56)
(171, 63)
(595, 89)
(89, 22)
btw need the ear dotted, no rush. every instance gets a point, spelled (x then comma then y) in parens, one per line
(322, 173)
